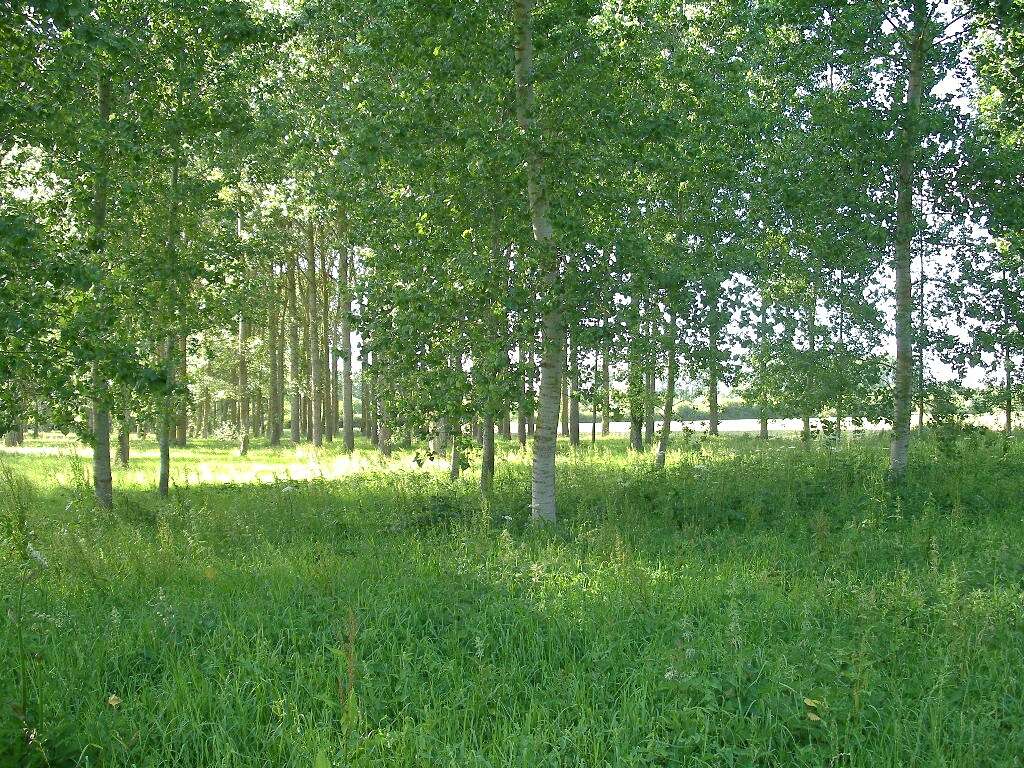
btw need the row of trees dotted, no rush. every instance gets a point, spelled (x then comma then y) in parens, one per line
(480, 212)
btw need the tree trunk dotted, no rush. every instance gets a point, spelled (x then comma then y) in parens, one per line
(441, 437)
(922, 333)
(315, 383)
(364, 390)
(259, 414)
(348, 436)
(103, 483)
(650, 394)
(714, 362)
(181, 425)
(456, 460)
(542, 500)
(812, 346)
(906, 182)
(273, 340)
(487, 454)
(124, 438)
(670, 392)
(281, 388)
(243, 386)
(564, 398)
(635, 386)
(840, 394)
(606, 384)
(1008, 392)
(293, 353)
(166, 429)
(574, 397)
(330, 362)
(102, 478)
(208, 418)
(522, 415)
(307, 417)
(384, 431)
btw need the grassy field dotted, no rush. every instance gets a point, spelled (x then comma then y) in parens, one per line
(753, 605)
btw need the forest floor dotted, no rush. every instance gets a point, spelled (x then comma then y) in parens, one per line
(753, 605)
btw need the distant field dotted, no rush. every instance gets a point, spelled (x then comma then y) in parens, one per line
(753, 605)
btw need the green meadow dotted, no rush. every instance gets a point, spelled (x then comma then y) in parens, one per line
(754, 604)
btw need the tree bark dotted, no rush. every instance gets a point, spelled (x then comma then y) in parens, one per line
(456, 460)
(103, 483)
(102, 479)
(606, 384)
(1008, 392)
(315, 383)
(595, 403)
(208, 415)
(364, 392)
(670, 392)
(243, 386)
(273, 340)
(293, 352)
(384, 430)
(564, 398)
(524, 393)
(348, 435)
(181, 424)
(441, 437)
(166, 435)
(124, 439)
(812, 346)
(574, 397)
(922, 335)
(330, 362)
(841, 395)
(906, 181)
(635, 385)
(650, 394)
(714, 361)
(487, 454)
(282, 325)
(542, 500)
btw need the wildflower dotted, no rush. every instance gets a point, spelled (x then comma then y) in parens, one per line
(36, 555)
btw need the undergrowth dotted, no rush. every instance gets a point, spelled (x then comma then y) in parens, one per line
(752, 605)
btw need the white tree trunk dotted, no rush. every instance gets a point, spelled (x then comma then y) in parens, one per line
(103, 483)
(316, 392)
(349, 437)
(243, 386)
(670, 393)
(552, 329)
(906, 179)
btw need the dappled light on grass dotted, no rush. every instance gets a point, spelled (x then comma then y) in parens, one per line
(375, 617)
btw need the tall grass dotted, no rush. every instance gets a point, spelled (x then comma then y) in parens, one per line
(752, 605)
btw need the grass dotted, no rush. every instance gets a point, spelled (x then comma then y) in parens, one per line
(752, 606)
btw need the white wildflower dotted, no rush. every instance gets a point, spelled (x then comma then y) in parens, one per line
(36, 555)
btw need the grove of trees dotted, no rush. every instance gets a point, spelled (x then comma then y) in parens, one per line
(430, 221)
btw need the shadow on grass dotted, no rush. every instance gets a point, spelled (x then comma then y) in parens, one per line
(677, 617)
